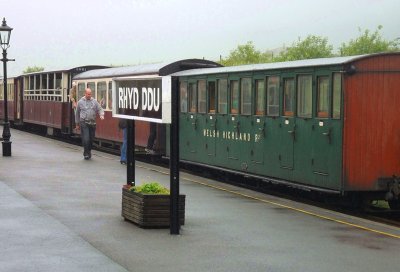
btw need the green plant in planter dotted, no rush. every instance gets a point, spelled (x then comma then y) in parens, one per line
(150, 188)
(148, 205)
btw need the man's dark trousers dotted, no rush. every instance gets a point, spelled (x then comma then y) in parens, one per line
(87, 135)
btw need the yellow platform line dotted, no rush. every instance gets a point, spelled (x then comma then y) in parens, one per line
(282, 205)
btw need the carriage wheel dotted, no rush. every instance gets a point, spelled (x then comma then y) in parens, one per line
(394, 204)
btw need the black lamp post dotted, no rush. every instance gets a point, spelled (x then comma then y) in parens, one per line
(5, 33)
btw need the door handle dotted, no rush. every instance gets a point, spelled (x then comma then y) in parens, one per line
(262, 130)
(293, 133)
(327, 134)
(214, 124)
(237, 126)
(194, 123)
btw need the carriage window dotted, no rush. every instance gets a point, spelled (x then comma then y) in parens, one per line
(44, 81)
(192, 97)
(323, 96)
(260, 97)
(223, 96)
(81, 91)
(51, 81)
(110, 95)
(245, 107)
(92, 86)
(337, 94)
(288, 102)
(31, 83)
(273, 96)
(234, 92)
(304, 96)
(201, 87)
(211, 97)
(58, 80)
(184, 98)
(101, 94)
(37, 82)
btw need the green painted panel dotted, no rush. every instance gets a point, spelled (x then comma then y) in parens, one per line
(326, 154)
(257, 151)
(210, 134)
(272, 148)
(189, 135)
(302, 150)
(286, 143)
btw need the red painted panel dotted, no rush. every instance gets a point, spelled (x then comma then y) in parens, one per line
(57, 110)
(108, 130)
(371, 127)
(10, 110)
(36, 112)
(44, 112)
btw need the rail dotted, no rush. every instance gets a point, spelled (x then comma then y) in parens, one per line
(44, 95)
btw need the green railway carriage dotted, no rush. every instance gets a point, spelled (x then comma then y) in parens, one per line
(283, 122)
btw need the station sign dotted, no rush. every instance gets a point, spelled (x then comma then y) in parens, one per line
(145, 98)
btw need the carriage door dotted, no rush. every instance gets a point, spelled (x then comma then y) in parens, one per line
(233, 123)
(288, 124)
(210, 129)
(322, 130)
(326, 134)
(188, 121)
(258, 122)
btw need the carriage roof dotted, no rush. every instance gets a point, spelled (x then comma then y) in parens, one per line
(163, 68)
(278, 65)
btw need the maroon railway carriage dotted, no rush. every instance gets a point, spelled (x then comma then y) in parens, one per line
(371, 134)
(14, 99)
(100, 82)
(45, 98)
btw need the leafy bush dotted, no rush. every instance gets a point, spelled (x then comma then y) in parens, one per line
(150, 188)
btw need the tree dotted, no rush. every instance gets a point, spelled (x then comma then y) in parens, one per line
(245, 54)
(367, 43)
(33, 69)
(310, 48)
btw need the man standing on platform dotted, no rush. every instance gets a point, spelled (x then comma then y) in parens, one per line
(85, 120)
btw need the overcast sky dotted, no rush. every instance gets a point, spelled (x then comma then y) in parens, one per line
(58, 33)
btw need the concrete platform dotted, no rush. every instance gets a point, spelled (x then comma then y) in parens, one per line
(59, 212)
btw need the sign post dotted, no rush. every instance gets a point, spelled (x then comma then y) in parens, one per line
(152, 99)
(174, 159)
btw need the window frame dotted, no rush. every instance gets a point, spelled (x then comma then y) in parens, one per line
(219, 102)
(232, 83)
(277, 105)
(293, 98)
(192, 97)
(339, 101)
(212, 107)
(323, 113)
(201, 96)
(183, 99)
(260, 111)
(304, 96)
(246, 103)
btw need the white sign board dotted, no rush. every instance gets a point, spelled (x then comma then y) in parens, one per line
(146, 98)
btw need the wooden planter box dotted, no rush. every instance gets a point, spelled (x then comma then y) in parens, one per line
(148, 210)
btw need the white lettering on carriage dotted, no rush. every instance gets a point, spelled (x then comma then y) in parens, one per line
(230, 135)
